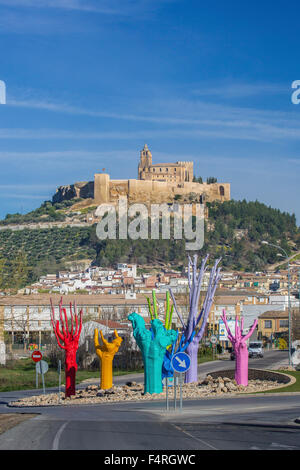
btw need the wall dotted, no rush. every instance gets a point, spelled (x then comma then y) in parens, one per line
(147, 192)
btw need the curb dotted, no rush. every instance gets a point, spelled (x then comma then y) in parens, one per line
(257, 424)
(263, 425)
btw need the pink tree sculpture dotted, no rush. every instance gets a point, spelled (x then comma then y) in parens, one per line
(240, 348)
(194, 329)
(68, 340)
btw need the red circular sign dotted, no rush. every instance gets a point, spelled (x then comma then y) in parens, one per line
(36, 356)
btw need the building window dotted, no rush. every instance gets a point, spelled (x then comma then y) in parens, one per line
(222, 191)
(283, 323)
(268, 323)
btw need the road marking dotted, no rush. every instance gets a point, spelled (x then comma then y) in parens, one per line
(274, 444)
(193, 437)
(55, 445)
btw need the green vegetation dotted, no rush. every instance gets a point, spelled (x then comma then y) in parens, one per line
(211, 180)
(48, 212)
(289, 388)
(20, 375)
(233, 231)
(198, 179)
(27, 254)
(87, 210)
(253, 221)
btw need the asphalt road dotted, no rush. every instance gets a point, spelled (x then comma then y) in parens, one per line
(246, 422)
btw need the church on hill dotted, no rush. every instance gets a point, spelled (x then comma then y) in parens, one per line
(178, 172)
(156, 184)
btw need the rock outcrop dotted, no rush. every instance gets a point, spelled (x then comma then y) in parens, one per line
(83, 189)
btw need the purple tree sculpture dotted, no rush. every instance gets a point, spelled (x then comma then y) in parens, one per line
(240, 348)
(196, 321)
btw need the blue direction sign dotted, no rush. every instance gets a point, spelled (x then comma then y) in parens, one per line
(181, 362)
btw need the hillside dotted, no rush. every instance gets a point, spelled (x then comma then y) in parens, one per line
(233, 230)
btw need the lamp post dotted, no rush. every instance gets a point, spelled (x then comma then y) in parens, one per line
(264, 242)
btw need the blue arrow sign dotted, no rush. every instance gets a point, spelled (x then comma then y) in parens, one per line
(181, 362)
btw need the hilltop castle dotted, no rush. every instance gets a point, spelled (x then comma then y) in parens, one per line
(156, 183)
(178, 172)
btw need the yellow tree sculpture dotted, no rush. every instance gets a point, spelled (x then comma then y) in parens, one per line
(106, 353)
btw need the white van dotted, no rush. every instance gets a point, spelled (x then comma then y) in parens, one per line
(256, 349)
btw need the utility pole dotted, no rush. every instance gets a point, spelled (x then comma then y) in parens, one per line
(286, 256)
(299, 287)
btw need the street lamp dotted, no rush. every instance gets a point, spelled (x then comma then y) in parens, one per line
(286, 256)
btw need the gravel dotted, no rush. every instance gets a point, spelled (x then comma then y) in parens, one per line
(92, 394)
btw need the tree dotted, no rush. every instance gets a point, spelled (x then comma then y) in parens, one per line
(198, 180)
(20, 270)
(68, 340)
(153, 345)
(240, 348)
(2, 273)
(106, 353)
(211, 180)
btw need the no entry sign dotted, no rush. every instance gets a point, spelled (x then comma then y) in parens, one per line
(36, 356)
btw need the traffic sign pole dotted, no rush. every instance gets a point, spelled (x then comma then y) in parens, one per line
(43, 379)
(180, 362)
(175, 389)
(181, 382)
(36, 356)
(167, 393)
(41, 368)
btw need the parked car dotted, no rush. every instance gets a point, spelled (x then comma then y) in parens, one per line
(232, 356)
(256, 349)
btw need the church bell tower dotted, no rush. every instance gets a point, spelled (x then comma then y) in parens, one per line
(145, 161)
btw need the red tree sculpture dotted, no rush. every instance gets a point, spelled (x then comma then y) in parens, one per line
(70, 339)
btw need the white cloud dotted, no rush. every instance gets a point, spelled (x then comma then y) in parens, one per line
(65, 154)
(60, 4)
(179, 118)
(239, 90)
(108, 7)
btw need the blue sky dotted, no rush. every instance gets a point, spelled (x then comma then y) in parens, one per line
(90, 81)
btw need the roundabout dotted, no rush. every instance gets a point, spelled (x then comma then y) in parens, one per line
(220, 383)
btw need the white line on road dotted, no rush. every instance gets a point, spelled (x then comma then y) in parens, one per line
(55, 445)
(195, 438)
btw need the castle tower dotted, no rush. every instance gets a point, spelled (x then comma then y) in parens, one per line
(145, 160)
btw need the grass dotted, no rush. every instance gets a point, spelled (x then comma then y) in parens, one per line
(126, 372)
(20, 375)
(206, 358)
(289, 388)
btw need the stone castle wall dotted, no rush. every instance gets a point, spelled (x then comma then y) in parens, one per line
(150, 192)
(104, 190)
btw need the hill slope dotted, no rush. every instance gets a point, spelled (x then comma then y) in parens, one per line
(233, 230)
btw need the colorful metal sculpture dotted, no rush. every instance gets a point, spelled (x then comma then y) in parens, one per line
(194, 329)
(167, 369)
(153, 347)
(153, 309)
(70, 340)
(106, 353)
(240, 348)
